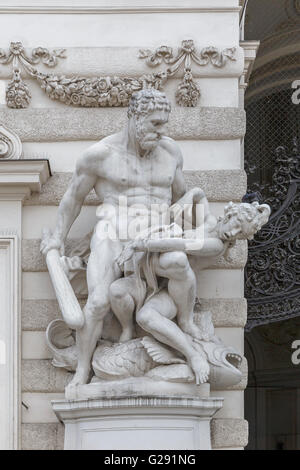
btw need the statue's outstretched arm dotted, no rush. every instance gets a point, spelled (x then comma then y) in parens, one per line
(82, 182)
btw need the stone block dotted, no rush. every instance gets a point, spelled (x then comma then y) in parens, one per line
(229, 433)
(64, 123)
(44, 436)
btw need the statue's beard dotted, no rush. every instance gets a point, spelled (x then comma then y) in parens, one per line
(147, 140)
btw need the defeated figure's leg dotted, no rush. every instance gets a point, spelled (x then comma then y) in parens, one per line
(156, 318)
(101, 272)
(122, 294)
(182, 288)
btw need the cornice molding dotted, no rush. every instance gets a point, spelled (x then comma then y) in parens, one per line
(19, 177)
(250, 52)
(114, 6)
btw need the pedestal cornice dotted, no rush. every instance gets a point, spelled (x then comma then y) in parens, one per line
(80, 409)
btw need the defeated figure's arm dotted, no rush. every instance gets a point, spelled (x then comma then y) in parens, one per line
(196, 247)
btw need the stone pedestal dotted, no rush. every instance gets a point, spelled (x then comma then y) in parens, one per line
(148, 423)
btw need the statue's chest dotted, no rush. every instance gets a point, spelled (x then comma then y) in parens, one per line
(130, 171)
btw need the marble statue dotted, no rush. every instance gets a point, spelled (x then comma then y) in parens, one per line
(140, 261)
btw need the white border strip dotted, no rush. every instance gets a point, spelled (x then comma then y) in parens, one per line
(9, 242)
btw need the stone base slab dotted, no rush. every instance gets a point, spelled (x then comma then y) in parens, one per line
(135, 387)
(133, 423)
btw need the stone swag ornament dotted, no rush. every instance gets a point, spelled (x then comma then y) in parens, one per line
(142, 326)
(17, 92)
(107, 91)
(188, 93)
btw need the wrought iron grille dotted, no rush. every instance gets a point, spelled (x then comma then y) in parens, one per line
(272, 274)
(272, 162)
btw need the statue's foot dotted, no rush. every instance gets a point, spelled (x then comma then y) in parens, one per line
(193, 330)
(127, 335)
(200, 368)
(80, 378)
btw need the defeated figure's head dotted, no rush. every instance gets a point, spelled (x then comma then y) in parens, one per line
(243, 221)
(148, 112)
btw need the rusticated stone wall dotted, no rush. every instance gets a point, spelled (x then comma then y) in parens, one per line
(210, 135)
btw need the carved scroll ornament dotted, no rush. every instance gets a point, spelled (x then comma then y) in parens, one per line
(10, 144)
(110, 90)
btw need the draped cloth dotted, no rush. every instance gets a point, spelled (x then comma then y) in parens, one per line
(141, 265)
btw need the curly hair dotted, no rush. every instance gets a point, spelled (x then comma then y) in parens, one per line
(254, 213)
(147, 100)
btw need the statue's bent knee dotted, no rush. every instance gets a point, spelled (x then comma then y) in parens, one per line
(144, 318)
(116, 291)
(97, 309)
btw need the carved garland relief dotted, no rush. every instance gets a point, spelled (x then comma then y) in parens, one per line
(110, 90)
